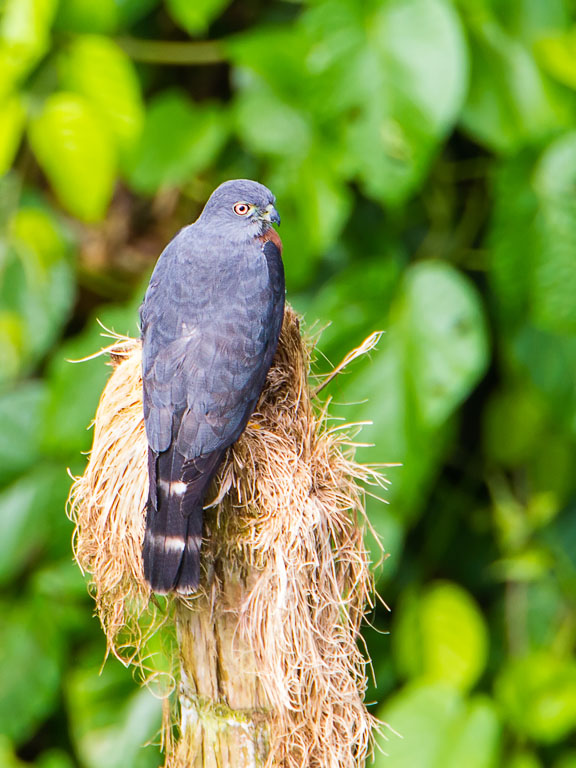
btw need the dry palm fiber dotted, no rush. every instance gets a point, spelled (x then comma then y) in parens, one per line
(268, 648)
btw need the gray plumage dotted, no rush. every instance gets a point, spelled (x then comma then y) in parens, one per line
(210, 324)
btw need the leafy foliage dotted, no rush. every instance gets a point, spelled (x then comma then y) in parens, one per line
(423, 153)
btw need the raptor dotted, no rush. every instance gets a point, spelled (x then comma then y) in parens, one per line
(210, 324)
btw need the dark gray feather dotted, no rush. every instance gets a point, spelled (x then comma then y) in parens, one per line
(210, 323)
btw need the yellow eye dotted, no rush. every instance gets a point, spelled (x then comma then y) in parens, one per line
(242, 209)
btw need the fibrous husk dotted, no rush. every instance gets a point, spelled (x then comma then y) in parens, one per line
(270, 642)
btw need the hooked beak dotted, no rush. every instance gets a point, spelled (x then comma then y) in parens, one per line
(270, 214)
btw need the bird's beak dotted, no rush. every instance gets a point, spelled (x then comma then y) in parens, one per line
(270, 214)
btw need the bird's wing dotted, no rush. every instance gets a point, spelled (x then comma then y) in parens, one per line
(210, 326)
(203, 370)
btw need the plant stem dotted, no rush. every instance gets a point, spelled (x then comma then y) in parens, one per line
(173, 52)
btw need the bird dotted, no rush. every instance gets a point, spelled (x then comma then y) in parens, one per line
(210, 323)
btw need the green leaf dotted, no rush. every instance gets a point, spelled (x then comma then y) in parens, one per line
(12, 117)
(550, 361)
(398, 435)
(29, 509)
(531, 565)
(441, 636)
(510, 103)
(554, 274)
(438, 730)
(358, 295)
(36, 287)
(380, 389)
(74, 394)
(47, 287)
(407, 635)
(195, 16)
(75, 387)
(64, 578)
(423, 44)
(131, 11)
(551, 470)
(377, 88)
(530, 19)
(86, 16)
(311, 195)
(567, 760)
(533, 238)
(75, 150)
(387, 552)
(511, 239)
(476, 738)
(440, 318)
(103, 17)
(413, 74)
(7, 757)
(30, 663)
(280, 129)
(99, 70)
(276, 56)
(334, 64)
(454, 636)
(12, 340)
(421, 716)
(513, 425)
(54, 758)
(111, 720)
(19, 515)
(538, 694)
(523, 760)
(24, 38)
(20, 414)
(557, 55)
(180, 139)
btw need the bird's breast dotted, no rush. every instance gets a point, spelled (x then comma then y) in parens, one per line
(271, 236)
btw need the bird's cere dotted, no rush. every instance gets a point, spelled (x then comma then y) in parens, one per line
(270, 214)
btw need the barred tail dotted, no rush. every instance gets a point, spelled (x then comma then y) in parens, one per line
(173, 538)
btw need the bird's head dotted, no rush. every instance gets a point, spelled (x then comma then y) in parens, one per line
(241, 207)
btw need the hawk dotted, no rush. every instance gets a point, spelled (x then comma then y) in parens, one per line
(210, 323)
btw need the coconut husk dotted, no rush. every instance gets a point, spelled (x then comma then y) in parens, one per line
(267, 670)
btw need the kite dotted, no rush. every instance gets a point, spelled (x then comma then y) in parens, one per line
(210, 324)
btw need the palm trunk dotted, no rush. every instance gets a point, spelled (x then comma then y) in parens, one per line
(224, 715)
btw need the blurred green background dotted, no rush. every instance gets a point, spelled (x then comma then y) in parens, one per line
(423, 153)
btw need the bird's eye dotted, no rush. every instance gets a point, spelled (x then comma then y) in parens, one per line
(242, 209)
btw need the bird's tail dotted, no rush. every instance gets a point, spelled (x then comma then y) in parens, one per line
(173, 538)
